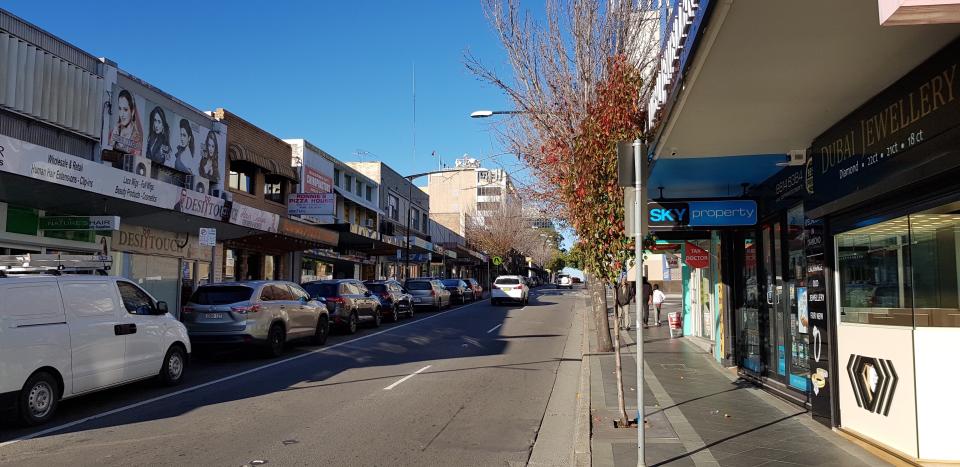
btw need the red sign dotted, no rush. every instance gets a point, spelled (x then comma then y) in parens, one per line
(697, 257)
(665, 247)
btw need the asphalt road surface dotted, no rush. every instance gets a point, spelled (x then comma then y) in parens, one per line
(467, 386)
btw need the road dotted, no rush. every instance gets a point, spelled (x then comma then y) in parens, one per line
(467, 386)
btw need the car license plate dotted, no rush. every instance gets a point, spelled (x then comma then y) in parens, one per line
(416, 300)
(214, 315)
(506, 289)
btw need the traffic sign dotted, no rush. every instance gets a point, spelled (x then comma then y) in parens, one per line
(497, 260)
(208, 237)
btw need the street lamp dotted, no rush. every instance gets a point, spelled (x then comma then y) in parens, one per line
(490, 113)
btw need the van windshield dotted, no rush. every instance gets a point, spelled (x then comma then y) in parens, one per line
(221, 294)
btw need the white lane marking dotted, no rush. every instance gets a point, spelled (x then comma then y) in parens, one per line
(411, 375)
(494, 328)
(216, 381)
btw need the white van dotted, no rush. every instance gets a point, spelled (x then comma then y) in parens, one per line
(66, 335)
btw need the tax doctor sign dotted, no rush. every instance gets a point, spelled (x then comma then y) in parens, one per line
(680, 215)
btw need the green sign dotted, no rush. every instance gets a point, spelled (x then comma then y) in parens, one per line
(80, 223)
(497, 260)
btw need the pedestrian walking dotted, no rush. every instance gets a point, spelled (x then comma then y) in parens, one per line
(647, 299)
(658, 299)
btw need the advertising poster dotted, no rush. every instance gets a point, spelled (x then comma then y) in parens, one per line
(316, 175)
(166, 146)
(803, 317)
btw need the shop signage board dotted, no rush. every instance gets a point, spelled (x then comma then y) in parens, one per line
(701, 214)
(208, 236)
(696, 257)
(311, 204)
(204, 205)
(147, 241)
(144, 124)
(316, 175)
(80, 223)
(308, 232)
(882, 137)
(817, 325)
(254, 218)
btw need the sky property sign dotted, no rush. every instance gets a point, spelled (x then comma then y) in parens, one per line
(701, 214)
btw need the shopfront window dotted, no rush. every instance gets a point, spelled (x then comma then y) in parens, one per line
(242, 176)
(902, 272)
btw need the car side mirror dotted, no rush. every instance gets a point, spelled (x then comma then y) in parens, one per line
(161, 308)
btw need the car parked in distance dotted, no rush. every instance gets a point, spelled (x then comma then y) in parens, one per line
(264, 313)
(510, 289)
(428, 293)
(460, 292)
(475, 287)
(564, 280)
(67, 335)
(348, 302)
(394, 300)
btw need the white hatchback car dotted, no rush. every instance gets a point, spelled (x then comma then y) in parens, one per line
(62, 336)
(510, 288)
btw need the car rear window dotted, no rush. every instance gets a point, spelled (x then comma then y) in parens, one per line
(377, 287)
(221, 294)
(507, 280)
(321, 290)
(452, 282)
(418, 285)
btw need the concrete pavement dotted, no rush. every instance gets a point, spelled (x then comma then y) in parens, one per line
(468, 386)
(700, 414)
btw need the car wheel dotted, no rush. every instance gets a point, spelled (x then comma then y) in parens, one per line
(395, 316)
(276, 338)
(323, 330)
(376, 318)
(352, 323)
(436, 306)
(39, 398)
(410, 310)
(174, 364)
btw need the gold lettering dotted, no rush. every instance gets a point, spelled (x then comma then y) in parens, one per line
(949, 75)
(925, 107)
(894, 118)
(937, 84)
(914, 116)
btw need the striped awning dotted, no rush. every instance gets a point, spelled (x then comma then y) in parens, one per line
(237, 152)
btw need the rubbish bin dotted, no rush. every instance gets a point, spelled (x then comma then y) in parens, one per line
(676, 324)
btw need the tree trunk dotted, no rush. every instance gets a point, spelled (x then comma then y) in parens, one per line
(621, 403)
(598, 298)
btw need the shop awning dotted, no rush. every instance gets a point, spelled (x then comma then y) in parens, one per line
(365, 239)
(237, 152)
(291, 236)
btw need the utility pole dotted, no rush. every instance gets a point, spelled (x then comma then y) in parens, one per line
(639, 228)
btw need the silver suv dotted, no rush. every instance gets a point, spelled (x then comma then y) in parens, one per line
(266, 313)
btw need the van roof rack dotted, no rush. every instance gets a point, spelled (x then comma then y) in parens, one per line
(54, 264)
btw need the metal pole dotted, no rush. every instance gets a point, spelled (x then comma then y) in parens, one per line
(406, 272)
(638, 159)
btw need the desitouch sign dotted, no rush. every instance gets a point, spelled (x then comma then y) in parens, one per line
(692, 214)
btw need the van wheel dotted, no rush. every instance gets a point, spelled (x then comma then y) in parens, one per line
(39, 398)
(323, 330)
(376, 318)
(174, 364)
(276, 339)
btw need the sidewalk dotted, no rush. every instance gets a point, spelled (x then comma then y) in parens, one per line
(700, 414)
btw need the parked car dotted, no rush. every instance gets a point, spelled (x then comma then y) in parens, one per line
(62, 336)
(428, 293)
(564, 280)
(348, 301)
(264, 313)
(510, 289)
(460, 292)
(475, 287)
(393, 299)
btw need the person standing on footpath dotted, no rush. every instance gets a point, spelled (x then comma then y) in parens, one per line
(647, 299)
(658, 299)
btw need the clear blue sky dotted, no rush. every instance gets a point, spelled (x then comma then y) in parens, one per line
(337, 73)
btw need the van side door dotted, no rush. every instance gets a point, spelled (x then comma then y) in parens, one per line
(98, 348)
(144, 329)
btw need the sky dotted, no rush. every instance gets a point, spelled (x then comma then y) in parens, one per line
(337, 73)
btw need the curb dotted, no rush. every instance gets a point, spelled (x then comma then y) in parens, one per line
(581, 437)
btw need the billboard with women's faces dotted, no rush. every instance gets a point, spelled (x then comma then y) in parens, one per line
(186, 151)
